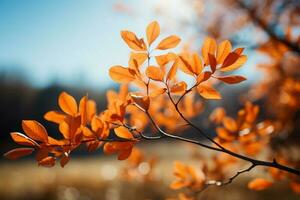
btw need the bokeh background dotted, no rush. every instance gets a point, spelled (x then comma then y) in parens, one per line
(51, 46)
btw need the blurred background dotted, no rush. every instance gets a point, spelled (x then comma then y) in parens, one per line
(51, 46)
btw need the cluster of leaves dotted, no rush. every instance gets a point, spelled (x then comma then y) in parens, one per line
(161, 99)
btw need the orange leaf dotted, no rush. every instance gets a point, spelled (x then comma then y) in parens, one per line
(18, 153)
(209, 47)
(23, 139)
(132, 41)
(155, 73)
(197, 65)
(157, 92)
(70, 126)
(123, 132)
(54, 116)
(179, 87)
(212, 62)
(121, 74)
(83, 109)
(185, 65)
(124, 154)
(172, 72)
(232, 79)
(259, 184)
(47, 162)
(203, 77)
(64, 160)
(168, 43)
(224, 49)
(67, 103)
(238, 63)
(140, 58)
(142, 102)
(152, 32)
(208, 92)
(165, 58)
(35, 130)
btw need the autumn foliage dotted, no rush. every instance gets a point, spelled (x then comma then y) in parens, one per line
(155, 96)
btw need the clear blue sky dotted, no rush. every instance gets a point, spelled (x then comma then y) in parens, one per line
(73, 42)
(70, 42)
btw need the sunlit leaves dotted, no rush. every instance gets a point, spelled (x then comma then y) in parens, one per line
(18, 153)
(224, 48)
(152, 32)
(155, 73)
(22, 139)
(208, 92)
(35, 130)
(67, 103)
(179, 87)
(232, 79)
(132, 41)
(121, 74)
(143, 102)
(259, 184)
(209, 47)
(54, 116)
(47, 162)
(169, 42)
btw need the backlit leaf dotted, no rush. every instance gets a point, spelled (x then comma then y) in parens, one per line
(18, 153)
(238, 63)
(35, 130)
(67, 103)
(208, 92)
(132, 41)
(152, 32)
(47, 162)
(54, 116)
(209, 47)
(224, 48)
(155, 73)
(179, 87)
(142, 102)
(232, 79)
(168, 43)
(22, 139)
(123, 132)
(121, 74)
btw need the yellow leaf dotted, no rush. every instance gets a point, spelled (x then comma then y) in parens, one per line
(67, 103)
(121, 74)
(208, 92)
(155, 73)
(152, 32)
(209, 47)
(224, 49)
(35, 130)
(168, 43)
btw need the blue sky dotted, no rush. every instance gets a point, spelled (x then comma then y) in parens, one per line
(74, 42)
(71, 42)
